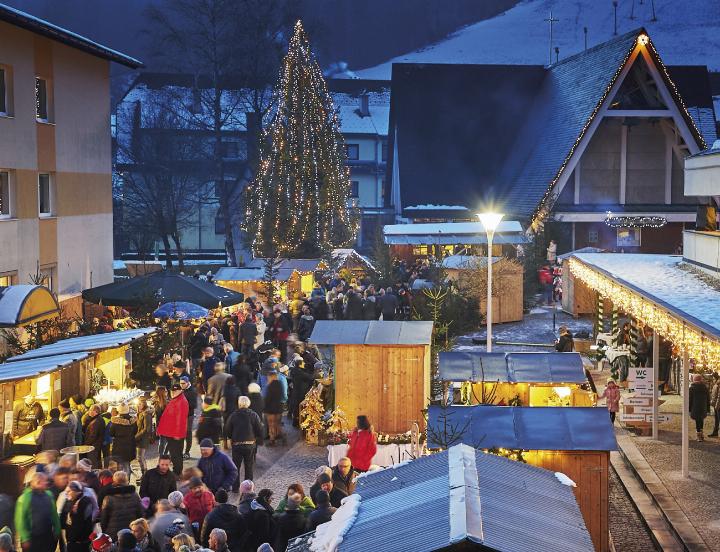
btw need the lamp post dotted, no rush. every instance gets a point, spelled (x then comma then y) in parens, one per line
(490, 222)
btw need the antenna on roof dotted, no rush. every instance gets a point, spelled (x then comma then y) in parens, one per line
(654, 17)
(551, 20)
(615, 5)
(557, 53)
(585, 31)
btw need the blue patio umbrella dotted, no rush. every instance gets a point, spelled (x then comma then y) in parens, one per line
(180, 310)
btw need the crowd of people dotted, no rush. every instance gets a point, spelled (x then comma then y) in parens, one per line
(70, 505)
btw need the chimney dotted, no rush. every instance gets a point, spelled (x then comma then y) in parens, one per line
(364, 105)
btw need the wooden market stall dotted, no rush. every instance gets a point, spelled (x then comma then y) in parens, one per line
(520, 379)
(507, 283)
(249, 281)
(352, 261)
(26, 304)
(382, 369)
(575, 441)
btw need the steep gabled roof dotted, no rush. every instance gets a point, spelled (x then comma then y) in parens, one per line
(45, 28)
(472, 133)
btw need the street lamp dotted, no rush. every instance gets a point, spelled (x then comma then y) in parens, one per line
(490, 222)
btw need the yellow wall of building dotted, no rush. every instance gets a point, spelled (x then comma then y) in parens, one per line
(73, 147)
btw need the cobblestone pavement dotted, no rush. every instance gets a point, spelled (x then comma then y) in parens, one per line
(627, 529)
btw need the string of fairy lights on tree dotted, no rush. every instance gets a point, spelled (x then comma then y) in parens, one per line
(643, 41)
(704, 349)
(298, 203)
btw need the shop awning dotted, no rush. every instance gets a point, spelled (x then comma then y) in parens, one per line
(86, 343)
(512, 367)
(26, 304)
(33, 367)
(371, 332)
(660, 292)
(162, 287)
(527, 428)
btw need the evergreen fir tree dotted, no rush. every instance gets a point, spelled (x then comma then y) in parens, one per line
(298, 202)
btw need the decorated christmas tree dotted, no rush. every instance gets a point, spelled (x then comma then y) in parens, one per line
(298, 203)
(312, 414)
(338, 423)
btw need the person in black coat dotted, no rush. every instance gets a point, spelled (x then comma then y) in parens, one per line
(326, 484)
(243, 374)
(323, 511)
(354, 307)
(78, 522)
(231, 394)
(248, 334)
(565, 343)
(699, 404)
(260, 521)
(290, 524)
(158, 482)
(122, 430)
(337, 307)
(226, 517)
(306, 324)
(257, 403)
(210, 422)
(302, 379)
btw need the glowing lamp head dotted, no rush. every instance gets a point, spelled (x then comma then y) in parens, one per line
(643, 39)
(490, 220)
(562, 392)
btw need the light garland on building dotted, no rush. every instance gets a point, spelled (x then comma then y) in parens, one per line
(702, 348)
(640, 221)
(643, 41)
(299, 199)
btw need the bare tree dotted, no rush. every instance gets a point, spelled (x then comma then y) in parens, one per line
(155, 185)
(232, 48)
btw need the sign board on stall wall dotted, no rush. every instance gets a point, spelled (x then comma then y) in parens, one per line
(632, 417)
(640, 373)
(642, 410)
(662, 418)
(637, 401)
(644, 392)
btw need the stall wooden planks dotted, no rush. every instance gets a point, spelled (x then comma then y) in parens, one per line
(388, 383)
(589, 471)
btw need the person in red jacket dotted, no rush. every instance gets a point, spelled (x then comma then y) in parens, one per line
(173, 426)
(362, 445)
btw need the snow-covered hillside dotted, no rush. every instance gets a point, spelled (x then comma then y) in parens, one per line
(687, 32)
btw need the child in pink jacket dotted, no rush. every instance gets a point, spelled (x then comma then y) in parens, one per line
(612, 398)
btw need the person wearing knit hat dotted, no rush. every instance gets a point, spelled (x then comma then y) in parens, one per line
(199, 501)
(326, 484)
(218, 469)
(122, 430)
(316, 486)
(699, 404)
(84, 465)
(247, 495)
(126, 541)
(175, 498)
(265, 547)
(291, 523)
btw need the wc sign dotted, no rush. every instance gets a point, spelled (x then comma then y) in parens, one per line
(640, 377)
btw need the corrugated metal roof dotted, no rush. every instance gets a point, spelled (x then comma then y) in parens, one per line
(527, 428)
(512, 367)
(21, 369)
(371, 332)
(86, 343)
(464, 495)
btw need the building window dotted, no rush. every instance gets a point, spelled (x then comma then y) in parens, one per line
(5, 196)
(45, 195)
(42, 100)
(420, 250)
(629, 237)
(7, 279)
(3, 92)
(354, 188)
(47, 277)
(592, 236)
(383, 152)
(352, 151)
(230, 149)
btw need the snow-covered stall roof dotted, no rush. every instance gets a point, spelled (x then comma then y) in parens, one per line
(662, 279)
(456, 496)
(511, 367)
(32, 367)
(25, 304)
(250, 274)
(371, 332)
(96, 342)
(451, 233)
